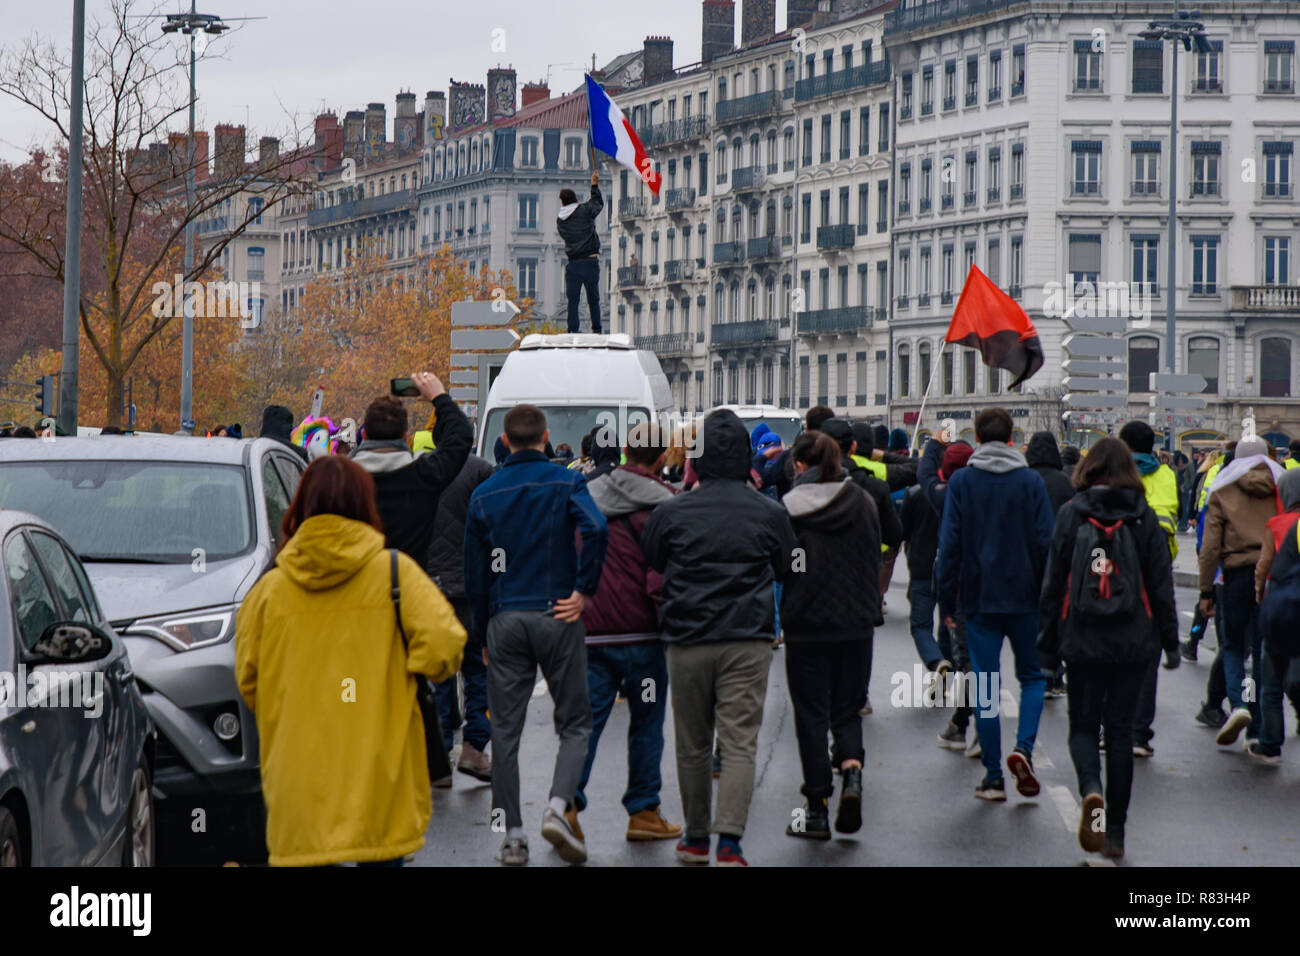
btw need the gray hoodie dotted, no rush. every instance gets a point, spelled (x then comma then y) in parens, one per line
(379, 457)
(623, 492)
(997, 458)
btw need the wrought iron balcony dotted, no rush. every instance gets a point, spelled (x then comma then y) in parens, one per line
(631, 207)
(848, 319)
(676, 200)
(764, 247)
(748, 107)
(1017, 191)
(945, 201)
(744, 333)
(674, 131)
(679, 270)
(728, 252)
(835, 237)
(1266, 298)
(841, 81)
(935, 12)
(923, 206)
(361, 208)
(747, 178)
(994, 193)
(629, 276)
(949, 103)
(676, 343)
(968, 198)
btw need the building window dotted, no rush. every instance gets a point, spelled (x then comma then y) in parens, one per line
(573, 153)
(826, 139)
(968, 371)
(255, 207)
(1018, 70)
(995, 75)
(904, 371)
(1208, 68)
(1087, 67)
(972, 80)
(1277, 256)
(904, 276)
(923, 355)
(846, 135)
(528, 152)
(1205, 168)
(947, 371)
(1205, 265)
(1203, 360)
(807, 142)
(1148, 66)
(1087, 167)
(805, 211)
(1146, 168)
(860, 370)
(995, 173)
(927, 90)
(1143, 359)
(1085, 261)
(993, 264)
(864, 207)
(804, 395)
(950, 85)
(1277, 170)
(923, 277)
(883, 114)
(1275, 368)
(1145, 256)
(787, 150)
(945, 273)
(256, 264)
(527, 212)
(842, 379)
(1017, 171)
(528, 278)
(1279, 60)
(905, 97)
(904, 188)
(993, 380)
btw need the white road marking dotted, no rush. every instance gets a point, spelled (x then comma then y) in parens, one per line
(540, 688)
(1065, 806)
(1010, 706)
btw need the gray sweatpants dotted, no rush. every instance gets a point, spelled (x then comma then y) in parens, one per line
(518, 642)
(720, 685)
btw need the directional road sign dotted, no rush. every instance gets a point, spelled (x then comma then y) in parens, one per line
(1168, 382)
(1095, 400)
(1096, 323)
(467, 339)
(1177, 402)
(1078, 383)
(1093, 345)
(1075, 366)
(470, 314)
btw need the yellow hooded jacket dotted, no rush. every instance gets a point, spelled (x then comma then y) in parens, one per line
(321, 665)
(1161, 490)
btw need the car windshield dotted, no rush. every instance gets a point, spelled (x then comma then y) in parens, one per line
(568, 423)
(136, 511)
(787, 428)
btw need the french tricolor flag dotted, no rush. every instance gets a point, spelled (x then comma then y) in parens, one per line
(611, 133)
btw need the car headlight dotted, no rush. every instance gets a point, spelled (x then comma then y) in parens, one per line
(185, 632)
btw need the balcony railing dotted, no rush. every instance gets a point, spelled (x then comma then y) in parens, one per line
(993, 193)
(835, 237)
(927, 109)
(630, 276)
(764, 247)
(934, 12)
(905, 113)
(744, 333)
(848, 319)
(1266, 298)
(747, 178)
(1017, 191)
(674, 131)
(360, 208)
(972, 99)
(945, 201)
(631, 207)
(923, 205)
(968, 198)
(949, 103)
(882, 225)
(840, 81)
(676, 343)
(728, 252)
(679, 270)
(676, 200)
(746, 107)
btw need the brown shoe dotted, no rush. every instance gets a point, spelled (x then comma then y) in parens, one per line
(474, 763)
(651, 825)
(571, 815)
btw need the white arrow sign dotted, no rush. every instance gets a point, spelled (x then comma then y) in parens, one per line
(1093, 345)
(1093, 367)
(1176, 402)
(1095, 400)
(1168, 382)
(467, 339)
(1077, 383)
(1096, 323)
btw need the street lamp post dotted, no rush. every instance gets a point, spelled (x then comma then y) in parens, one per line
(1188, 31)
(67, 418)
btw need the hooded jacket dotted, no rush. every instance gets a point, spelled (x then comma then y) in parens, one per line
(277, 423)
(624, 608)
(1236, 521)
(1272, 551)
(407, 487)
(1071, 641)
(835, 594)
(320, 663)
(1160, 485)
(1044, 457)
(576, 224)
(994, 536)
(719, 547)
(446, 560)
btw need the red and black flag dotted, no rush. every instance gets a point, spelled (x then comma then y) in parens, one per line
(988, 319)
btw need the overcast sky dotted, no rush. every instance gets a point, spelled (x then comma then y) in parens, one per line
(341, 54)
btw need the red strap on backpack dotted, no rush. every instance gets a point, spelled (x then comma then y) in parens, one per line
(1103, 567)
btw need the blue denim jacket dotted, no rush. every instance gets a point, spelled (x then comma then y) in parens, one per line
(520, 549)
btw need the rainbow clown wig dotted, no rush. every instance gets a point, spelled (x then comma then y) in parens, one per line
(319, 436)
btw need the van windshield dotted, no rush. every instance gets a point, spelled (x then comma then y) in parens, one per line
(787, 428)
(568, 423)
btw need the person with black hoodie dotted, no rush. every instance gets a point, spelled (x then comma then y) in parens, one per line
(1044, 457)
(576, 224)
(828, 649)
(277, 423)
(719, 549)
(1106, 639)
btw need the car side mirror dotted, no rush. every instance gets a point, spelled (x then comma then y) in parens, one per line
(68, 642)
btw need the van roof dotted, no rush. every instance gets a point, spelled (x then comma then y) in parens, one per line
(577, 340)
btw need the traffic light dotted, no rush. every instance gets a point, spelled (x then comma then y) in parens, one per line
(45, 395)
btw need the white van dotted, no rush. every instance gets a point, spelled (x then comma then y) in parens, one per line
(786, 422)
(580, 381)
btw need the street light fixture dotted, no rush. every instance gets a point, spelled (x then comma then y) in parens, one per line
(1186, 29)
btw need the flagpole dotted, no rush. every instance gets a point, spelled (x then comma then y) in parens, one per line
(934, 373)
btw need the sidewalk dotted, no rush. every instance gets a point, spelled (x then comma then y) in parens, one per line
(1185, 564)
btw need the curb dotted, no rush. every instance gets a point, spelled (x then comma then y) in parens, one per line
(1185, 579)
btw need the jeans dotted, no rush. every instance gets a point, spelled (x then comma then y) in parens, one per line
(1145, 705)
(920, 596)
(1104, 693)
(582, 274)
(984, 633)
(827, 691)
(961, 713)
(1242, 638)
(640, 672)
(1272, 725)
(477, 730)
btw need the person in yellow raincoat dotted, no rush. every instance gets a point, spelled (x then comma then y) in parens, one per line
(321, 664)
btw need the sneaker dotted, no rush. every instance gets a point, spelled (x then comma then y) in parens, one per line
(717, 765)
(1256, 751)
(514, 852)
(558, 833)
(1172, 660)
(973, 749)
(1021, 766)
(1054, 692)
(1114, 848)
(953, 737)
(729, 855)
(1212, 717)
(991, 788)
(1091, 838)
(943, 669)
(1143, 750)
(442, 783)
(693, 851)
(1237, 721)
(866, 708)
(571, 818)
(651, 825)
(815, 825)
(1188, 650)
(848, 819)
(474, 763)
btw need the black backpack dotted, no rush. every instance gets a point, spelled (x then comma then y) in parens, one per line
(1106, 615)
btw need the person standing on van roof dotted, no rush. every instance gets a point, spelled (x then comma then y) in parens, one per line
(576, 224)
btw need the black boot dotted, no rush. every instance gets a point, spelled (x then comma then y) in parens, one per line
(816, 822)
(849, 817)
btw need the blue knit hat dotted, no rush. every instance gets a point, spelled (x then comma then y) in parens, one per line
(898, 440)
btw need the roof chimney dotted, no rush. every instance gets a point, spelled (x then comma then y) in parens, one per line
(229, 151)
(268, 151)
(799, 13)
(354, 132)
(534, 93)
(404, 124)
(376, 128)
(757, 20)
(718, 32)
(656, 59)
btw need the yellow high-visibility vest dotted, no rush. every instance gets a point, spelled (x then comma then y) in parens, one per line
(1209, 480)
(1161, 489)
(877, 469)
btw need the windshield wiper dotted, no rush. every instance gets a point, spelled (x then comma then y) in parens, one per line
(124, 559)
